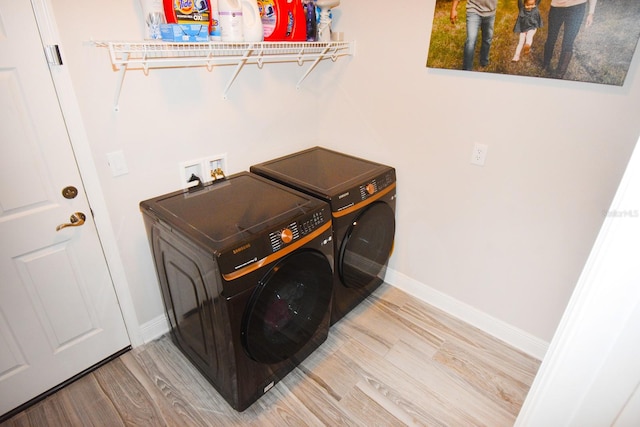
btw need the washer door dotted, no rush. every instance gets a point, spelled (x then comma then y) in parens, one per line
(366, 246)
(287, 307)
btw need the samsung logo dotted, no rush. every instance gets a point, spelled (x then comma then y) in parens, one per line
(343, 195)
(241, 248)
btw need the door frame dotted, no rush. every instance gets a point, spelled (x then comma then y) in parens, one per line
(88, 172)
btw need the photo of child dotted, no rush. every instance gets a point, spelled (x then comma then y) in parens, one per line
(527, 24)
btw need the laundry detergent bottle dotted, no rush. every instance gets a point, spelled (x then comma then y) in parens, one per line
(230, 12)
(283, 20)
(187, 11)
(297, 22)
(251, 21)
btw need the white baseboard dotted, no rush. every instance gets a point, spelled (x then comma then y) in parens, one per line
(154, 328)
(513, 336)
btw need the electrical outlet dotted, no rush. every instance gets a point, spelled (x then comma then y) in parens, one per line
(188, 170)
(479, 154)
(215, 167)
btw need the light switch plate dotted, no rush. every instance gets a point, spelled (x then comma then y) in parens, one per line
(117, 163)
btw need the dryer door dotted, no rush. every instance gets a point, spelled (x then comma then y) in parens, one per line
(287, 307)
(366, 246)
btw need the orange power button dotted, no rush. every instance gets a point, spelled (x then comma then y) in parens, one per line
(286, 235)
(371, 188)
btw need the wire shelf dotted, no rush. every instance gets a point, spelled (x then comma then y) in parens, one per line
(162, 53)
(159, 54)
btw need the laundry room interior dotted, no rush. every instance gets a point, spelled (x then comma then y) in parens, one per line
(500, 246)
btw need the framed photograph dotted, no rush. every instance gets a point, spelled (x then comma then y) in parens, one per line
(581, 40)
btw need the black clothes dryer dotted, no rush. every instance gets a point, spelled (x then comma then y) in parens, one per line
(362, 195)
(245, 270)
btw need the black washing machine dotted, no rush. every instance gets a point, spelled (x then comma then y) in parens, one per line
(245, 267)
(362, 195)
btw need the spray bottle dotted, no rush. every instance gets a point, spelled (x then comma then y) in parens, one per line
(324, 26)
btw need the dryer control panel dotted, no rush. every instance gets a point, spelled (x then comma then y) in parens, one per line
(353, 197)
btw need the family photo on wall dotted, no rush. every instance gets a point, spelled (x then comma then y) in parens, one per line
(581, 40)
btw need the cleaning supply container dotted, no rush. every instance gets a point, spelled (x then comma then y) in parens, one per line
(283, 20)
(251, 22)
(231, 22)
(187, 11)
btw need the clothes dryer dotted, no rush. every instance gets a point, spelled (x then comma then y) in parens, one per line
(245, 270)
(362, 195)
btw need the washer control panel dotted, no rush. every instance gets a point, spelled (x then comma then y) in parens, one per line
(249, 255)
(295, 230)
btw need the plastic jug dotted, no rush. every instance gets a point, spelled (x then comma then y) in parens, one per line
(283, 20)
(251, 21)
(230, 12)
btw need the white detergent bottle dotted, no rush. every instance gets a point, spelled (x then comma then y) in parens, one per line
(214, 21)
(251, 21)
(230, 12)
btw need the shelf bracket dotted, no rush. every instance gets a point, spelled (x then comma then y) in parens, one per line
(312, 66)
(210, 59)
(241, 63)
(123, 70)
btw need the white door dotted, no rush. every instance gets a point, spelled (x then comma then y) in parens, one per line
(58, 310)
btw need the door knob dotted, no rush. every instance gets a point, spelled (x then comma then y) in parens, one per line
(76, 220)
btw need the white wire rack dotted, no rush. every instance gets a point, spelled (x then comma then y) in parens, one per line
(145, 55)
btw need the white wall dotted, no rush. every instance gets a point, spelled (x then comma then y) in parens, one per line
(591, 375)
(508, 239)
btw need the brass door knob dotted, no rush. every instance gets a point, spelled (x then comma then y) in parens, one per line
(76, 220)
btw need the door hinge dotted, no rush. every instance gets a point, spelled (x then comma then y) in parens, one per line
(52, 52)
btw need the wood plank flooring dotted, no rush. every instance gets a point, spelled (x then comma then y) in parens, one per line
(392, 361)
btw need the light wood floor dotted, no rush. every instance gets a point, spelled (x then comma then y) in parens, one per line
(392, 361)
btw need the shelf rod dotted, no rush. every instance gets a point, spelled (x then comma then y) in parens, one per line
(241, 63)
(318, 59)
(123, 69)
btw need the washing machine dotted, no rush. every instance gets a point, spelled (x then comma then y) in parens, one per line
(362, 196)
(245, 267)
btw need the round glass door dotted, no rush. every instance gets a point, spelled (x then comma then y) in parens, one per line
(367, 246)
(287, 307)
